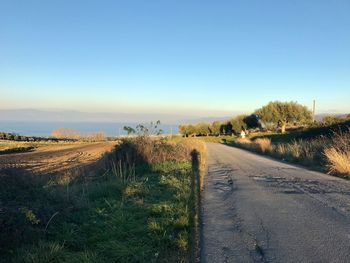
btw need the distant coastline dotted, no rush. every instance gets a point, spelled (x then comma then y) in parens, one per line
(45, 128)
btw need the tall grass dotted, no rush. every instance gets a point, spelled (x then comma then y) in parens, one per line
(328, 154)
(338, 155)
(139, 204)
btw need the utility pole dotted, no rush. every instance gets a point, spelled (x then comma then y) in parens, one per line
(313, 111)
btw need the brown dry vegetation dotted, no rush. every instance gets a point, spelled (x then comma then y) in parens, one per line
(55, 158)
(338, 154)
(331, 154)
(64, 133)
(139, 203)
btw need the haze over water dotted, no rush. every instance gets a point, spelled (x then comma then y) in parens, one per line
(45, 129)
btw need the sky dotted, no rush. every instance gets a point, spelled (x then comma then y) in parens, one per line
(205, 58)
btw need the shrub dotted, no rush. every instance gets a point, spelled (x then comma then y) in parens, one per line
(263, 144)
(145, 151)
(339, 162)
(338, 154)
(259, 145)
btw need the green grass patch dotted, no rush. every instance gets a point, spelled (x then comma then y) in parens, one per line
(217, 139)
(7, 146)
(12, 146)
(275, 137)
(149, 219)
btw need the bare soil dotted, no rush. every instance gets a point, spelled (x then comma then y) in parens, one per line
(56, 158)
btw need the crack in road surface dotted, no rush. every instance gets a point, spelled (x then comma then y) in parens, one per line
(255, 209)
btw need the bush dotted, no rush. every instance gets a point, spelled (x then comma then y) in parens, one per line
(327, 153)
(338, 154)
(263, 144)
(339, 162)
(135, 155)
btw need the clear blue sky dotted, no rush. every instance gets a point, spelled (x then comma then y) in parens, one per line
(205, 57)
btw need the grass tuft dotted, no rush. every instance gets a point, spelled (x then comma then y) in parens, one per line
(328, 154)
(145, 212)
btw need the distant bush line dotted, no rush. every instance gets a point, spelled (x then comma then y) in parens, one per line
(16, 137)
(58, 135)
(275, 116)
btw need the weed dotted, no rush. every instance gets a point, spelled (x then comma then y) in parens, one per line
(323, 153)
(142, 207)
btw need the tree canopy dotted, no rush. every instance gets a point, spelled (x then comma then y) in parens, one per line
(281, 113)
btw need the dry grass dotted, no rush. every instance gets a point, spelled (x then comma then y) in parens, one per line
(200, 148)
(243, 141)
(339, 161)
(6, 145)
(263, 144)
(338, 155)
(144, 151)
(330, 154)
(135, 211)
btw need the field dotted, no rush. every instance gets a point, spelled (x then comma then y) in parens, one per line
(89, 202)
(48, 158)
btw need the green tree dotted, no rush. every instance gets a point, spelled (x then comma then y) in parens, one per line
(188, 130)
(129, 130)
(203, 129)
(252, 121)
(192, 130)
(282, 113)
(151, 128)
(329, 120)
(215, 128)
(183, 130)
(226, 128)
(238, 123)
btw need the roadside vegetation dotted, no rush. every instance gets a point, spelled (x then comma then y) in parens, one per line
(139, 203)
(275, 115)
(325, 153)
(285, 130)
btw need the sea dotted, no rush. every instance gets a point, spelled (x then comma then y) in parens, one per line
(44, 129)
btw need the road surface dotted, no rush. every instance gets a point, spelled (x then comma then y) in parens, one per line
(255, 209)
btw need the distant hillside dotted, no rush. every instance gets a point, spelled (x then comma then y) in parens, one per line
(319, 117)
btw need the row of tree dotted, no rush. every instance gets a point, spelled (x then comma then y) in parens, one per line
(12, 137)
(16, 137)
(274, 115)
(217, 128)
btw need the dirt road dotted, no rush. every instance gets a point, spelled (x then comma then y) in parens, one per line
(56, 158)
(255, 209)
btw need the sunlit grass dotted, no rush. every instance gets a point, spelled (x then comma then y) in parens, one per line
(148, 218)
(19, 146)
(327, 154)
